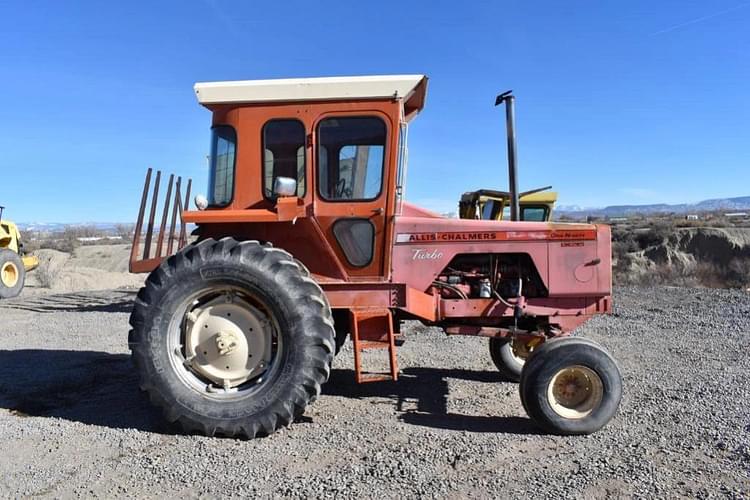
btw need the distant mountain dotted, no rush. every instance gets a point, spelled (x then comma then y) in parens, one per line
(728, 204)
(739, 203)
(56, 227)
(573, 208)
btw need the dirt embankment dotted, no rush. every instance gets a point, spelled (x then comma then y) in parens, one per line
(98, 267)
(716, 257)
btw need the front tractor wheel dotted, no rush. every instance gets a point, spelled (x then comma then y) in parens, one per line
(12, 274)
(570, 386)
(509, 357)
(231, 338)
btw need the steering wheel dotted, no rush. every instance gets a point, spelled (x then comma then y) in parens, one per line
(342, 192)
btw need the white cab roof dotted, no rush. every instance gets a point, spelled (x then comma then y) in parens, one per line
(406, 87)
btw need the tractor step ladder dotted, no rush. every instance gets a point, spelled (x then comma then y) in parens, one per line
(373, 329)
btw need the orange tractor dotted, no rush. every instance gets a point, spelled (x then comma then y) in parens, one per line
(305, 239)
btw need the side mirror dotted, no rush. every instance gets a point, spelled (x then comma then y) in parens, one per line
(284, 186)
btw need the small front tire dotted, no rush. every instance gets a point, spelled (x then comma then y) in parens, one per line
(571, 386)
(505, 359)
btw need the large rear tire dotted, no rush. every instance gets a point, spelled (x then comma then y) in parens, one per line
(231, 338)
(12, 274)
(340, 317)
(570, 385)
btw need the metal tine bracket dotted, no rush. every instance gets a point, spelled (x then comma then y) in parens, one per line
(142, 260)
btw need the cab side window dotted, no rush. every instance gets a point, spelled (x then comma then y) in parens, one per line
(221, 168)
(534, 214)
(283, 154)
(351, 158)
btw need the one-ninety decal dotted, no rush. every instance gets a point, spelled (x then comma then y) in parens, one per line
(490, 236)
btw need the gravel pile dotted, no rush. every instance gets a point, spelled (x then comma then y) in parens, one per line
(73, 423)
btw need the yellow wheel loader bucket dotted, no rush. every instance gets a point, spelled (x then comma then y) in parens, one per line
(30, 262)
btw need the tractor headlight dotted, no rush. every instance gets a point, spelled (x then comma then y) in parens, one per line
(201, 202)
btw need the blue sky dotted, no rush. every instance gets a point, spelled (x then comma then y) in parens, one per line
(617, 102)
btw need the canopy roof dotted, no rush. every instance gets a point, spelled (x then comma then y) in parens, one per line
(411, 89)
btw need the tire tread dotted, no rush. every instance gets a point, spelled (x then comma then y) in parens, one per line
(310, 305)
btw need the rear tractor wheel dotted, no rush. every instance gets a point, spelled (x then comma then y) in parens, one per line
(231, 338)
(570, 386)
(12, 274)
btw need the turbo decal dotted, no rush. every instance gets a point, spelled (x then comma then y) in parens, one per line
(422, 254)
(483, 236)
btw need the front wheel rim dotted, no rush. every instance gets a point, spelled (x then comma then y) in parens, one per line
(520, 351)
(574, 392)
(9, 274)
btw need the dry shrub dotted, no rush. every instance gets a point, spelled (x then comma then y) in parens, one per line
(668, 274)
(125, 231)
(66, 243)
(657, 234)
(624, 240)
(45, 273)
(623, 244)
(738, 273)
(29, 242)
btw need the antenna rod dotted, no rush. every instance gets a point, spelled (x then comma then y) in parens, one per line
(510, 126)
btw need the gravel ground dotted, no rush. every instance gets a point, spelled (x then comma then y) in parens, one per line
(73, 423)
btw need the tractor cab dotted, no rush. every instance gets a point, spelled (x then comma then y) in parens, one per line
(327, 155)
(323, 158)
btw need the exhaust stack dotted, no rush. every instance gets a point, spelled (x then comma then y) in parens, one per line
(510, 126)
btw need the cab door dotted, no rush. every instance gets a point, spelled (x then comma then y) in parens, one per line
(352, 159)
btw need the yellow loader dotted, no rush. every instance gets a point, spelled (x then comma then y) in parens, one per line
(14, 263)
(535, 205)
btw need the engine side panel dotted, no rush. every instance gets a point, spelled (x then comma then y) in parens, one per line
(570, 259)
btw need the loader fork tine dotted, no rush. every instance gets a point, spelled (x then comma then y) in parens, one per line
(165, 213)
(139, 221)
(142, 260)
(183, 228)
(151, 215)
(175, 207)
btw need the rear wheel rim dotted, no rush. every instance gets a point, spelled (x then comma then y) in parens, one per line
(224, 343)
(574, 392)
(9, 274)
